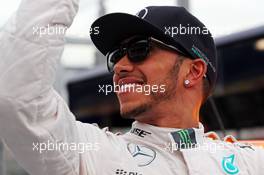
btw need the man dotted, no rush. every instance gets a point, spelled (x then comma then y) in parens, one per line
(171, 56)
(142, 51)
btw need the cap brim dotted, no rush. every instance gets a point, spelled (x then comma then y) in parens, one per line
(116, 27)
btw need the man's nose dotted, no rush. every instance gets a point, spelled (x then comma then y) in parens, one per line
(123, 65)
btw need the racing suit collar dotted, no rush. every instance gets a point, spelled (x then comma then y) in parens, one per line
(173, 138)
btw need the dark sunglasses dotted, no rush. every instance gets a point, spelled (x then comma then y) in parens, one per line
(137, 51)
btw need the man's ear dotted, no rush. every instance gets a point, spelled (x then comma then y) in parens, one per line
(196, 73)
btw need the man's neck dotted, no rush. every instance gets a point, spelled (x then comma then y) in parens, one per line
(171, 116)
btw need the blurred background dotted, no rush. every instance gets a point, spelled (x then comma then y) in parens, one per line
(238, 29)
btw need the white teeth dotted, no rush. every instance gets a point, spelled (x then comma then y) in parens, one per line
(128, 87)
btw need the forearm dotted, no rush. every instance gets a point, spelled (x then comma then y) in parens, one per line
(31, 111)
(28, 56)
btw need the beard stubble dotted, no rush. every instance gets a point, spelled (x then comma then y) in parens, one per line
(170, 82)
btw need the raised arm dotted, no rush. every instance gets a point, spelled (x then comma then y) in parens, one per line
(31, 112)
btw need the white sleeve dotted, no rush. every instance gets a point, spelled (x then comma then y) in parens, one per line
(260, 161)
(31, 112)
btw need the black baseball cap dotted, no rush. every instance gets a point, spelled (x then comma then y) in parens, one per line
(170, 24)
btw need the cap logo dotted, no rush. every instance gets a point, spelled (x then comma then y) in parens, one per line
(143, 13)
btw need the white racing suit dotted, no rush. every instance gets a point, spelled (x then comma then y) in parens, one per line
(43, 135)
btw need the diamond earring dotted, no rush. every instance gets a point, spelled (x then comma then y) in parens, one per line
(186, 82)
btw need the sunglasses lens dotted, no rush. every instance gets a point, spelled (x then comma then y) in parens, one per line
(138, 51)
(113, 58)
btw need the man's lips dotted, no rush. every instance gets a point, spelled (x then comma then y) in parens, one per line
(125, 84)
(130, 80)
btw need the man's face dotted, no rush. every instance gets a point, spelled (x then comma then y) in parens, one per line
(155, 81)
